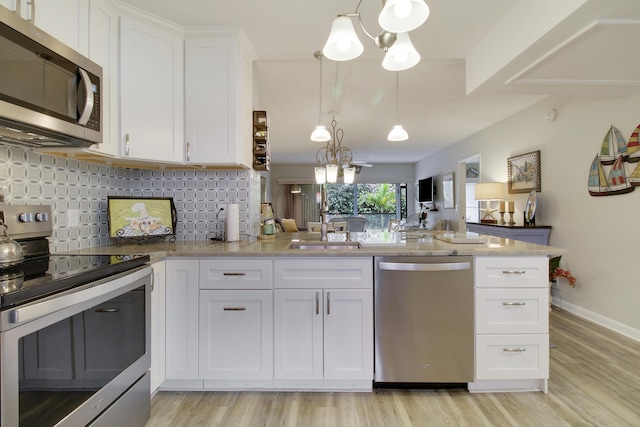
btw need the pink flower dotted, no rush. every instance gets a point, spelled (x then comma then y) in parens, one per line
(559, 272)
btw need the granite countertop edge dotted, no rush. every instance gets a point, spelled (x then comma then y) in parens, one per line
(424, 246)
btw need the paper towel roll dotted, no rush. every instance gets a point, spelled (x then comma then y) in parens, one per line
(233, 222)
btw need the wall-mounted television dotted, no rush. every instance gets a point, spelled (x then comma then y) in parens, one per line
(426, 190)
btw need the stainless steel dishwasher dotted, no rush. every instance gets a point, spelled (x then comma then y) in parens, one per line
(424, 320)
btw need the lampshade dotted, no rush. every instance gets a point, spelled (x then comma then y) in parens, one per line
(332, 173)
(489, 191)
(321, 175)
(399, 16)
(343, 43)
(398, 134)
(402, 55)
(349, 174)
(296, 189)
(320, 134)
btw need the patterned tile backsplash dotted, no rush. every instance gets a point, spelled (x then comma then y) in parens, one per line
(27, 177)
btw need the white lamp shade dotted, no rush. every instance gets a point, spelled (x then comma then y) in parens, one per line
(489, 191)
(400, 16)
(320, 134)
(398, 134)
(343, 43)
(332, 173)
(321, 175)
(402, 55)
(349, 175)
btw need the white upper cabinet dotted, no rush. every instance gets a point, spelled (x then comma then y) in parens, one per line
(151, 92)
(66, 20)
(218, 98)
(103, 50)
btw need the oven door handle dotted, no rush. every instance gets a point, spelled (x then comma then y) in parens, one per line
(107, 310)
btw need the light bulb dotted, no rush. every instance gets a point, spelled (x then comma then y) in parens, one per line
(402, 8)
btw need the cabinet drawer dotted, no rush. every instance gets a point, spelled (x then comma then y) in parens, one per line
(512, 311)
(504, 357)
(250, 273)
(323, 273)
(512, 272)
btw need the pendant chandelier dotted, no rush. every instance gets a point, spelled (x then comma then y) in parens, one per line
(335, 159)
(398, 133)
(320, 133)
(397, 18)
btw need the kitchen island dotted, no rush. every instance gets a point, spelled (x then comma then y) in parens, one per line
(260, 315)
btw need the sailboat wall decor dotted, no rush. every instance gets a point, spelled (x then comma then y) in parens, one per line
(608, 174)
(633, 147)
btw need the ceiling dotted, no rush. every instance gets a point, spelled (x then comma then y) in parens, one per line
(482, 61)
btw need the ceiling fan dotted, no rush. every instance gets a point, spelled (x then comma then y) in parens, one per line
(359, 164)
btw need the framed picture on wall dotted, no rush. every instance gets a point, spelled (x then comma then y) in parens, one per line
(523, 173)
(448, 197)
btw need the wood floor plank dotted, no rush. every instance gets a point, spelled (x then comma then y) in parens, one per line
(594, 381)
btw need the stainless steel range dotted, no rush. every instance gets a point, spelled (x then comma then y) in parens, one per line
(74, 332)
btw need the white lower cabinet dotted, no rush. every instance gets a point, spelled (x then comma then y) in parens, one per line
(512, 324)
(236, 334)
(182, 319)
(228, 328)
(323, 333)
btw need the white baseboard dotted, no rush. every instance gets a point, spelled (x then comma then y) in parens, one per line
(599, 319)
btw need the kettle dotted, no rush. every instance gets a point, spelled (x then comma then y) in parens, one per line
(11, 253)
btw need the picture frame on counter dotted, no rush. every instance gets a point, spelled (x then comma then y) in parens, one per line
(523, 173)
(141, 217)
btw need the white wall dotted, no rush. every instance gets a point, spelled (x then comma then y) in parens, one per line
(601, 234)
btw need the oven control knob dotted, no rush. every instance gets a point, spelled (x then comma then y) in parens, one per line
(26, 217)
(42, 217)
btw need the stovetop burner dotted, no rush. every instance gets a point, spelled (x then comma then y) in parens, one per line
(41, 273)
(45, 275)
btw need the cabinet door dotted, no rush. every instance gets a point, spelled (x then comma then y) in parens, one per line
(236, 335)
(66, 20)
(182, 319)
(103, 50)
(158, 327)
(348, 334)
(298, 334)
(218, 102)
(151, 90)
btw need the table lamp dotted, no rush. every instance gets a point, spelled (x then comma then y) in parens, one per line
(488, 192)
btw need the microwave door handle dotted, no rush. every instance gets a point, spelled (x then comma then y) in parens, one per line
(87, 106)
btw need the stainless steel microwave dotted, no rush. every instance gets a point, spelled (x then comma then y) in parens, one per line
(50, 95)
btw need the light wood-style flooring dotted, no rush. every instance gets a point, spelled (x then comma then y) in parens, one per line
(595, 381)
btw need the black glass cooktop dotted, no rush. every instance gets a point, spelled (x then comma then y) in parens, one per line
(45, 275)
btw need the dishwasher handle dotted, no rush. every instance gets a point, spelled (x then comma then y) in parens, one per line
(437, 266)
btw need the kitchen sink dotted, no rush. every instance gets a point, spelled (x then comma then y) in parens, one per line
(315, 245)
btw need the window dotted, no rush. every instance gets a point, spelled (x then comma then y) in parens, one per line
(377, 202)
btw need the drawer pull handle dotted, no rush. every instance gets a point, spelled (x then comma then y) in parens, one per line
(234, 274)
(514, 272)
(512, 303)
(317, 302)
(514, 349)
(234, 309)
